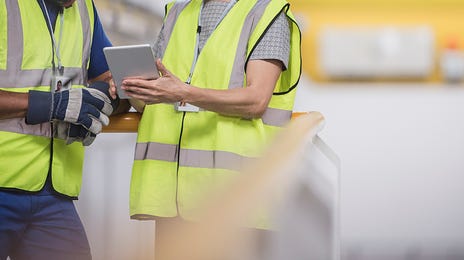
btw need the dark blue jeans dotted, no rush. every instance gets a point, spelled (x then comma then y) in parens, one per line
(40, 226)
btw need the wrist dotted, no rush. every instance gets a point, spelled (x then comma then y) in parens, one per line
(187, 93)
(39, 107)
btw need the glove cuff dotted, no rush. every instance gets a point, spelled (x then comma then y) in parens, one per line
(39, 107)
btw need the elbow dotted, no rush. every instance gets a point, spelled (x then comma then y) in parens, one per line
(257, 111)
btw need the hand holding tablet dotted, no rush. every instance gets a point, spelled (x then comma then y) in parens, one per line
(130, 61)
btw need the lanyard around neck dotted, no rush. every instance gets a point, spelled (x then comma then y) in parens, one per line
(197, 43)
(56, 45)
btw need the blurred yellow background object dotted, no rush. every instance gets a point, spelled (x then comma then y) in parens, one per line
(444, 18)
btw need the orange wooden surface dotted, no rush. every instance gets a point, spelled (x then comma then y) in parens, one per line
(123, 123)
(129, 122)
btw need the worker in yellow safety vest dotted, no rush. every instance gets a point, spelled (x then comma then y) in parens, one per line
(229, 71)
(48, 112)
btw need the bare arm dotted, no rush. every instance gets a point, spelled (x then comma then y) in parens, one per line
(12, 104)
(105, 76)
(248, 102)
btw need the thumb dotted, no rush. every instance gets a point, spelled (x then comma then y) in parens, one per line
(162, 69)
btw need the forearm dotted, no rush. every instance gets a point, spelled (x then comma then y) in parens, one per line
(242, 102)
(106, 77)
(12, 104)
(248, 102)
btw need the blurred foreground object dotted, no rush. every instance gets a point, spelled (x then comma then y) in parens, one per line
(298, 169)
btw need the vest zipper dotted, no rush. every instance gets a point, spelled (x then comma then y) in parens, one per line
(178, 164)
(50, 167)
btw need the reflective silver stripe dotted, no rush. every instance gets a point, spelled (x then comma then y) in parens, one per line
(272, 116)
(87, 36)
(238, 73)
(156, 151)
(18, 125)
(15, 40)
(73, 109)
(190, 158)
(14, 77)
(38, 77)
(168, 25)
(212, 159)
(276, 117)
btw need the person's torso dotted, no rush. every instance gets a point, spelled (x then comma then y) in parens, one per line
(27, 149)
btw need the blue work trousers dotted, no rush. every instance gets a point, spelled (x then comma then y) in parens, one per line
(40, 226)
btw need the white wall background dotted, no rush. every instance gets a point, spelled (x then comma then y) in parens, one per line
(401, 148)
(104, 201)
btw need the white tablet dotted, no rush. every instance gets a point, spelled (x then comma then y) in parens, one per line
(130, 61)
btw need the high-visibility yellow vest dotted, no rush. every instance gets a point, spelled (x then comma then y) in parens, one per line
(181, 155)
(26, 64)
